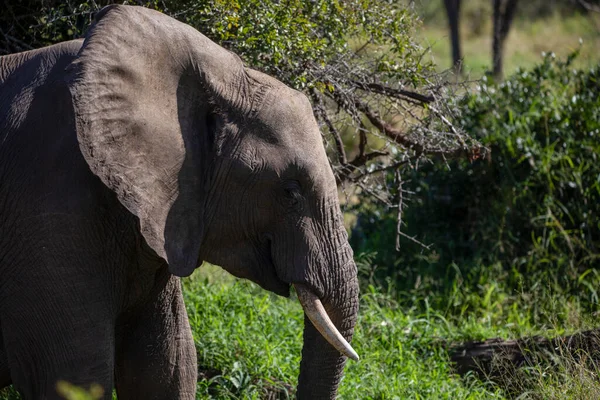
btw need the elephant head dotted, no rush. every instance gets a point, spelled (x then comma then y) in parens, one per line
(220, 163)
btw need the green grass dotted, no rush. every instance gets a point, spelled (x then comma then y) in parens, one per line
(525, 43)
(255, 338)
(249, 342)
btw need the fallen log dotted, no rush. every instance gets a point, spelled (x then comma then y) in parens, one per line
(491, 357)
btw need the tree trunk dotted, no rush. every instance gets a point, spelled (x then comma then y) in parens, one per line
(504, 11)
(453, 13)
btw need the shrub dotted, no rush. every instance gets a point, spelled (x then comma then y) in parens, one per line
(527, 214)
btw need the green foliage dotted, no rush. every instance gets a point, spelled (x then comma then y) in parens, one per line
(66, 390)
(9, 393)
(73, 392)
(282, 38)
(518, 231)
(285, 38)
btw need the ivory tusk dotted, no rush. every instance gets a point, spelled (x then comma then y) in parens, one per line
(316, 313)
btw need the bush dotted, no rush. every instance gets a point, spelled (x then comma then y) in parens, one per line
(528, 214)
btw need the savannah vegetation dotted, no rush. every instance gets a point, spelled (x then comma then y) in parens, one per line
(473, 208)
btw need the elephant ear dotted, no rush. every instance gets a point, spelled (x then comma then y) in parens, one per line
(144, 90)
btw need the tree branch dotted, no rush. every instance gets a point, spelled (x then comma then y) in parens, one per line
(337, 138)
(402, 139)
(400, 94)
(588, 6)
(361, 160)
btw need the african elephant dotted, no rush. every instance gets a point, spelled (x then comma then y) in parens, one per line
(126, 160)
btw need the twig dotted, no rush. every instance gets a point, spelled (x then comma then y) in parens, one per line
(412, 239)
(13, 39)
(382, 169)
(362, 159)
(337, 138)
(401, 138)
(399, 215)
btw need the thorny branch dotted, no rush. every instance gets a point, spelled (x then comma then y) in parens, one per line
(322, 114)
(389, 126)
(400, 94)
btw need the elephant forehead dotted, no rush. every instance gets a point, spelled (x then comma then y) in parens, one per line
(289, 132)
(289, 116)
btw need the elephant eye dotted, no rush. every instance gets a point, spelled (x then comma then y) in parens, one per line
(292, 192)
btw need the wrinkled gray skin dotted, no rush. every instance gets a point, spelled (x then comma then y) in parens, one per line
(126, 160)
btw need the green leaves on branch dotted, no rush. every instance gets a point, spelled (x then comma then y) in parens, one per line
(287, 37)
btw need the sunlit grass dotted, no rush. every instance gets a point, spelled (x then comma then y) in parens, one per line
(525, 43)
(255, 340)
(249, 342)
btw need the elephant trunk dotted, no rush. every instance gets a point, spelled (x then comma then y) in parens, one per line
(322, 364)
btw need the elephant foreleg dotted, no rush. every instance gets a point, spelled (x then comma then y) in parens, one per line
(4, 370)
(156, 357)
(46, 347)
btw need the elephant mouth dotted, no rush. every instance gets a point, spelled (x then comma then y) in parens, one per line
(268, 277)
(277, 286)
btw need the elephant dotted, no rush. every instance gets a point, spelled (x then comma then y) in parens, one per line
(127, 159)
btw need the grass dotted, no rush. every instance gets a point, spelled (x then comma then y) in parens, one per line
(526, 41)
(255, 339)
(249, 342)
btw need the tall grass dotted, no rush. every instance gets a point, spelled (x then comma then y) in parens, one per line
(254, 340)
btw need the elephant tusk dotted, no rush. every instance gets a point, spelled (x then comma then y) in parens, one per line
(318, 316)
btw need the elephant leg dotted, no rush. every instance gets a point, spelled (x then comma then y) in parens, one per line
(156, 357)
(64, 334)
(38, 364)
(4, 370)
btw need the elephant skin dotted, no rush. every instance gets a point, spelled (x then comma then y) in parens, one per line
(126, 160)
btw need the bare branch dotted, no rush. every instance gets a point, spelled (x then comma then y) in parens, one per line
(359, 161)
(589, 6)
(399, 215)
(385, 168)
(20, 44)
(412, 239)
(362, 144)
(322, 112)
(403, 139)
(400, 94)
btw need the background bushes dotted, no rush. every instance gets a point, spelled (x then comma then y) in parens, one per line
(525, 219)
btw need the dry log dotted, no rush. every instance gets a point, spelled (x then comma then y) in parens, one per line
(492, 356)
